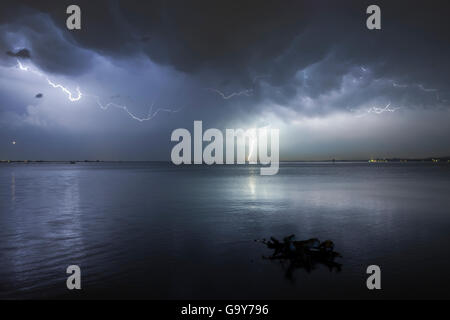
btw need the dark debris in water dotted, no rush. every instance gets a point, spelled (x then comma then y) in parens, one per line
(304, 254)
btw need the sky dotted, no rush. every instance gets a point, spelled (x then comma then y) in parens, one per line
(311, 69)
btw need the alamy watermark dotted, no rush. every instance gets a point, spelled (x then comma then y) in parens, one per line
(373, 22)
(374, 280)
(242, 146)
(74, 280)
(73, 21)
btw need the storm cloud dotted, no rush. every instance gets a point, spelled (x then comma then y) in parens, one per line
(22, 53)
(229, 62)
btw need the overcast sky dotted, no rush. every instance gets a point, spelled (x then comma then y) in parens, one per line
(310, 68)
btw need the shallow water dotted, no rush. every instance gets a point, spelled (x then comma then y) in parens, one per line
(154, 230)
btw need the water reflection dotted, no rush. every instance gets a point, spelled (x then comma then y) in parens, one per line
(251, 185)
(13, 187)
(68, 221)
(45, 237)
(174, 230)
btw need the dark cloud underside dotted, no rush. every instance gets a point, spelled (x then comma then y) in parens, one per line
(308, 58)
(241, 38)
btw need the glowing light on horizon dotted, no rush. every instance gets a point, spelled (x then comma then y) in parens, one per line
(252, 143)
(251, 148)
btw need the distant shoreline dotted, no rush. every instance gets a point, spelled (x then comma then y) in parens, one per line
(387, 160)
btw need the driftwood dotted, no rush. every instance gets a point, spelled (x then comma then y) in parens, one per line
(304, 254)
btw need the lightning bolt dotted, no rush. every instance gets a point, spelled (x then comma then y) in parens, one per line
(253, 141)
(422, 88)
(150, 114)
(69, 94)
(73, 98)
(382, 110)
(21, 66)
(376, 110)
(251, 147)
(247, 93)
(66, 91)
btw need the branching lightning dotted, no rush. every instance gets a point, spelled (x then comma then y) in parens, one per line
(422, 88)
(73, 98)
(150, 114)
(247, 93)
(377, 110)
(66, 91)
(69, 94)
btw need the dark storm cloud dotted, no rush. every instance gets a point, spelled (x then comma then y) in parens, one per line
(40, 40)
(22, 53)
(297, 48)
(292, 61)
(248, 35)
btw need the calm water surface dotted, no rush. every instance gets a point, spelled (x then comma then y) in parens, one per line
(154, 230)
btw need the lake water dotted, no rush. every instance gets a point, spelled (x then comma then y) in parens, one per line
(154, 230)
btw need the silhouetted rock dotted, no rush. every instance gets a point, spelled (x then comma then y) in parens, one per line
(305, 254)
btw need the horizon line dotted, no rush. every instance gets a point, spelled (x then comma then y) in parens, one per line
(393, 159)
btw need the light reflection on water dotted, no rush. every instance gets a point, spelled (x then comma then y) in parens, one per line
(13, 187)
(160, 231)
